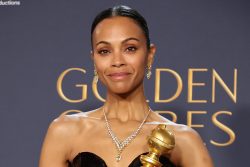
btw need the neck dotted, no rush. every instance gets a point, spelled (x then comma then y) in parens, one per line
(132, 106)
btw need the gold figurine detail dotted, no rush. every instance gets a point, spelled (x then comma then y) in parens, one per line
(160, 141)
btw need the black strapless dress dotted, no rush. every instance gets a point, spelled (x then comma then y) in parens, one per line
(88, 159)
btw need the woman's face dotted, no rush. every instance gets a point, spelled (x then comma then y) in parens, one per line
(120, 54)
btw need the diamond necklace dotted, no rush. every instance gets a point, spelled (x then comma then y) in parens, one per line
(120, 145)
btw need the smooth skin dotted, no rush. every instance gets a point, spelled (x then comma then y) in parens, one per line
(120, 56)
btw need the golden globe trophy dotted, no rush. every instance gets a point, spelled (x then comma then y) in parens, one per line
(160, 141)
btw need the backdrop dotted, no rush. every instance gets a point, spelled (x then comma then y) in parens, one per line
(203, 52)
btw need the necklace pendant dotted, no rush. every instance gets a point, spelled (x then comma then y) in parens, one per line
(118, 158)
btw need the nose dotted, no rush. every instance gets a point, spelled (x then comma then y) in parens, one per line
(118, 60)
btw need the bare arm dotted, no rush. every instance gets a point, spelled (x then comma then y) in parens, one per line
(56, 145)
(194, 153)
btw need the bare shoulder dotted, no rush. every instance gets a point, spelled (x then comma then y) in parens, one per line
(187, 137)
(65, 125)
(190, 149)
(185, 133)
(57, 141)
(63, 129)
(59, 138)
(68, 125)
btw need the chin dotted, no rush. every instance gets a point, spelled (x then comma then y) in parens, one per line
(123, 89)
(120, 90)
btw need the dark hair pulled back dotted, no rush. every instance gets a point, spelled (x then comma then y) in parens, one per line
(124, 11)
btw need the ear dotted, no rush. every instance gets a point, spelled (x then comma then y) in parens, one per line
(151, 55)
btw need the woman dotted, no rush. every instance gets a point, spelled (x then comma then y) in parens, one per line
(115, 134)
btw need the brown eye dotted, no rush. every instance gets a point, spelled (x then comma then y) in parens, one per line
(131, 49)
(103, 52)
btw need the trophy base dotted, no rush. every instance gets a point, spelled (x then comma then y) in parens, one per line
(149, 161)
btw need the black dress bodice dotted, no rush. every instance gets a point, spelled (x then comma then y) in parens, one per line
(88, 159)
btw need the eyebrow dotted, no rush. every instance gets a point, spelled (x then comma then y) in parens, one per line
(128, 39)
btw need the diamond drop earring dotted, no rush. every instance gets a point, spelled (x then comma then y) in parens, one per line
(149, 73)
(95, 75)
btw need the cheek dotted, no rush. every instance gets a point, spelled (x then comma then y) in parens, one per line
(101, 64)
(139, 64)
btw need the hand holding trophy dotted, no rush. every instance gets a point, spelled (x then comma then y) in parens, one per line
(160, 141)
